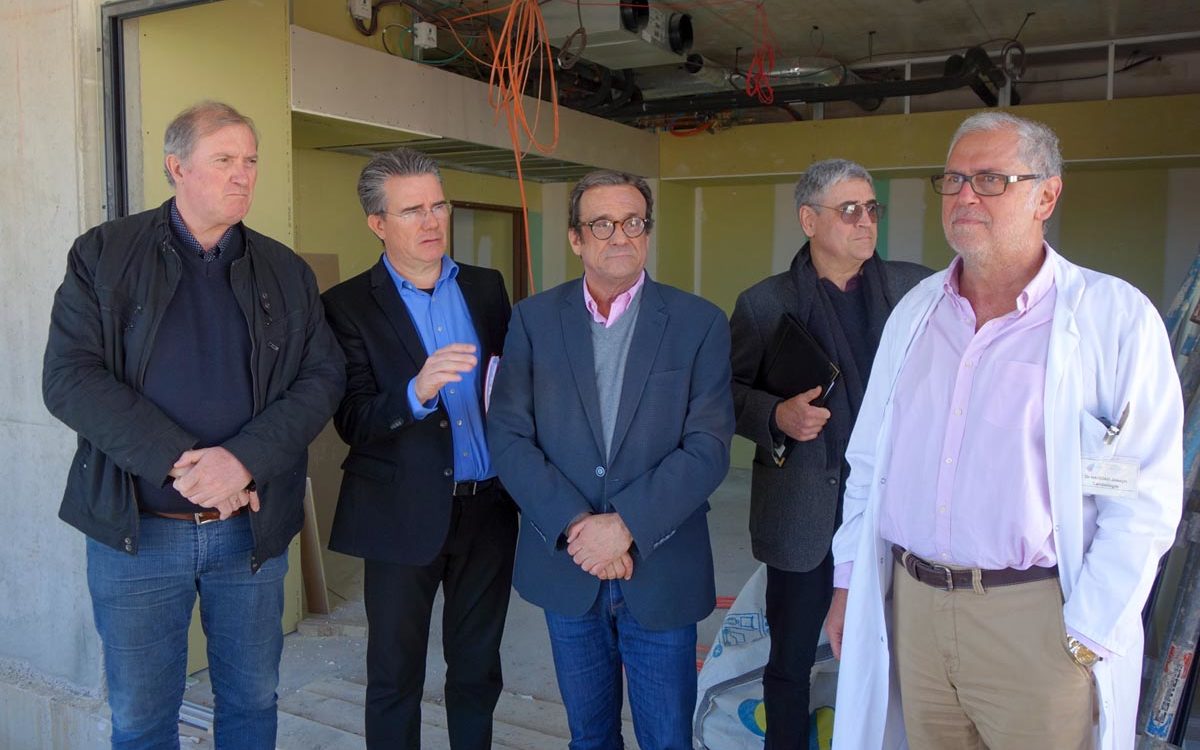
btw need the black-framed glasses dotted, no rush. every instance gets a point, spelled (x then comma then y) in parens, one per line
(851, 213)
(983, 183)
(440, 211)
(602, 229)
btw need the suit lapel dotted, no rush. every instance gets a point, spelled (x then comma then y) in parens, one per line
(383, 289)
(648, 332)
(477, 306)
(577, 340)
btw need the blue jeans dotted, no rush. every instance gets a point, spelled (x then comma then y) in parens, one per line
(589, 652)
(142, 606)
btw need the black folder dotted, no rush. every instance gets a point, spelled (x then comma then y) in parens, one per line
(795, 363)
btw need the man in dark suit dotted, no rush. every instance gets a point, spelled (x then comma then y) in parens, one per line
(842, 293)
(420, 501)
(610, 424)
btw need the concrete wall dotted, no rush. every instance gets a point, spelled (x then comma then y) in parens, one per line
(49, 654)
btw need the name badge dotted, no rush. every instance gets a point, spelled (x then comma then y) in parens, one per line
(1115, 477)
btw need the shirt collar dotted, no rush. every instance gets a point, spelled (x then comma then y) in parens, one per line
(449, 271)
(1041, 283)
(184, 235)
(618, 306)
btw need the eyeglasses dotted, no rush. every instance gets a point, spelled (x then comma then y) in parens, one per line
(440, 211)
(984, 183)
(634, 226)
(851, 213)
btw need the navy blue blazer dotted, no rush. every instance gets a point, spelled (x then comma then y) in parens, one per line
(670, 448)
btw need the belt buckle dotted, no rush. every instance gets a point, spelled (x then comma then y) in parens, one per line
(471, 482)
(946, 573)
(201, 520)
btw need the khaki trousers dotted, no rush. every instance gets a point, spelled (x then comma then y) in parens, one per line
(989, 670)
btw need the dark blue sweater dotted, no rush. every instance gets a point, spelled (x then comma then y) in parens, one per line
(199, 369)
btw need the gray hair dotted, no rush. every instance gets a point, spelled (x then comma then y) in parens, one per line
(195, 122)
(1038, 144)
(608, 177)
(400, 162)
(822, 175)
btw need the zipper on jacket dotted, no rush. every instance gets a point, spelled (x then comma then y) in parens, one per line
(174, 284)
(247, 311)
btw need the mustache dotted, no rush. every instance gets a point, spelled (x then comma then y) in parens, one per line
(968, 214)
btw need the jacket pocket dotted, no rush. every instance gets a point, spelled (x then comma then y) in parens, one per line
(381, 470)
(117, 307)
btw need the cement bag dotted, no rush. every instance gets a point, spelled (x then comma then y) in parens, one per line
(729, 708)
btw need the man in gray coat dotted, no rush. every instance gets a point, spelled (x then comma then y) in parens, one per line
(842, 293)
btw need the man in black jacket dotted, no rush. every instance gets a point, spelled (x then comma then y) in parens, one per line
(419, 499)
(842, 293)
(191, 355)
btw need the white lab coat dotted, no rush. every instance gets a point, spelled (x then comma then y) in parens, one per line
(1108, 347)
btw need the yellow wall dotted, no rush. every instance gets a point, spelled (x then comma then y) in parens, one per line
(735, 231)
(1089, 130)
(675, 227)
(328, 216)
(1116, 221)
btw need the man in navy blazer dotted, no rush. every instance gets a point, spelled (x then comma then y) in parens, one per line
(610, 425)
(419, 499)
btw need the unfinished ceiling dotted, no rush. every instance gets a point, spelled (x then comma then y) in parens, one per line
(683, 66)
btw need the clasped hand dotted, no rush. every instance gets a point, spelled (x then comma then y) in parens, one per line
(600, 545)
(214, 478)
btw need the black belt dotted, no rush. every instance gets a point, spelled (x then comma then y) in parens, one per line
(472, 487)
(946, 579)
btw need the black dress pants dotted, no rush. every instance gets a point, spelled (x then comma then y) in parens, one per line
(796, 607)
(474, 569)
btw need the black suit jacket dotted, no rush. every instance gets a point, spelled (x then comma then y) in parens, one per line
(395, 499)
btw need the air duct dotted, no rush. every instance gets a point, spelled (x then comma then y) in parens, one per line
(631, 34)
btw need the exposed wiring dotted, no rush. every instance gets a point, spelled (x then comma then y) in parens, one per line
(702, 127)
(521, 40)
(758, 75)
(373, 26)
(383, 38)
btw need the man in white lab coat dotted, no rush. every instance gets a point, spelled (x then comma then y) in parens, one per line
(1016, 475)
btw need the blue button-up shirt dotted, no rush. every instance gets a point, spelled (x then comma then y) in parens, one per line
(442, 318)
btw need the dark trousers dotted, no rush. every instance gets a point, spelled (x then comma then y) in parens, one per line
(474, 569)
(796, 607)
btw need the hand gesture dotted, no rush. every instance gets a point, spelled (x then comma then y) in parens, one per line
(442, 367)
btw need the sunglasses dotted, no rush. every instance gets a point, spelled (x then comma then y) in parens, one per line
(851, 213)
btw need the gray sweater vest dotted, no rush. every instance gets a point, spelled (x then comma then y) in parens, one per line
(610, 351)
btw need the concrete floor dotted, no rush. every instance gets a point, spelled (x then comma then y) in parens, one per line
(323, 672)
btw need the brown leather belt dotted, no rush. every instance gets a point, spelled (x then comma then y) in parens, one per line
(201, 518)
(946, 579)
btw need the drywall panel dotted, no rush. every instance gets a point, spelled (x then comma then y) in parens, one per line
(906, 205)
(1183, 231)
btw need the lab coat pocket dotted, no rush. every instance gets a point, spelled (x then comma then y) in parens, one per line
(1092, 432)
(1103, 472)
